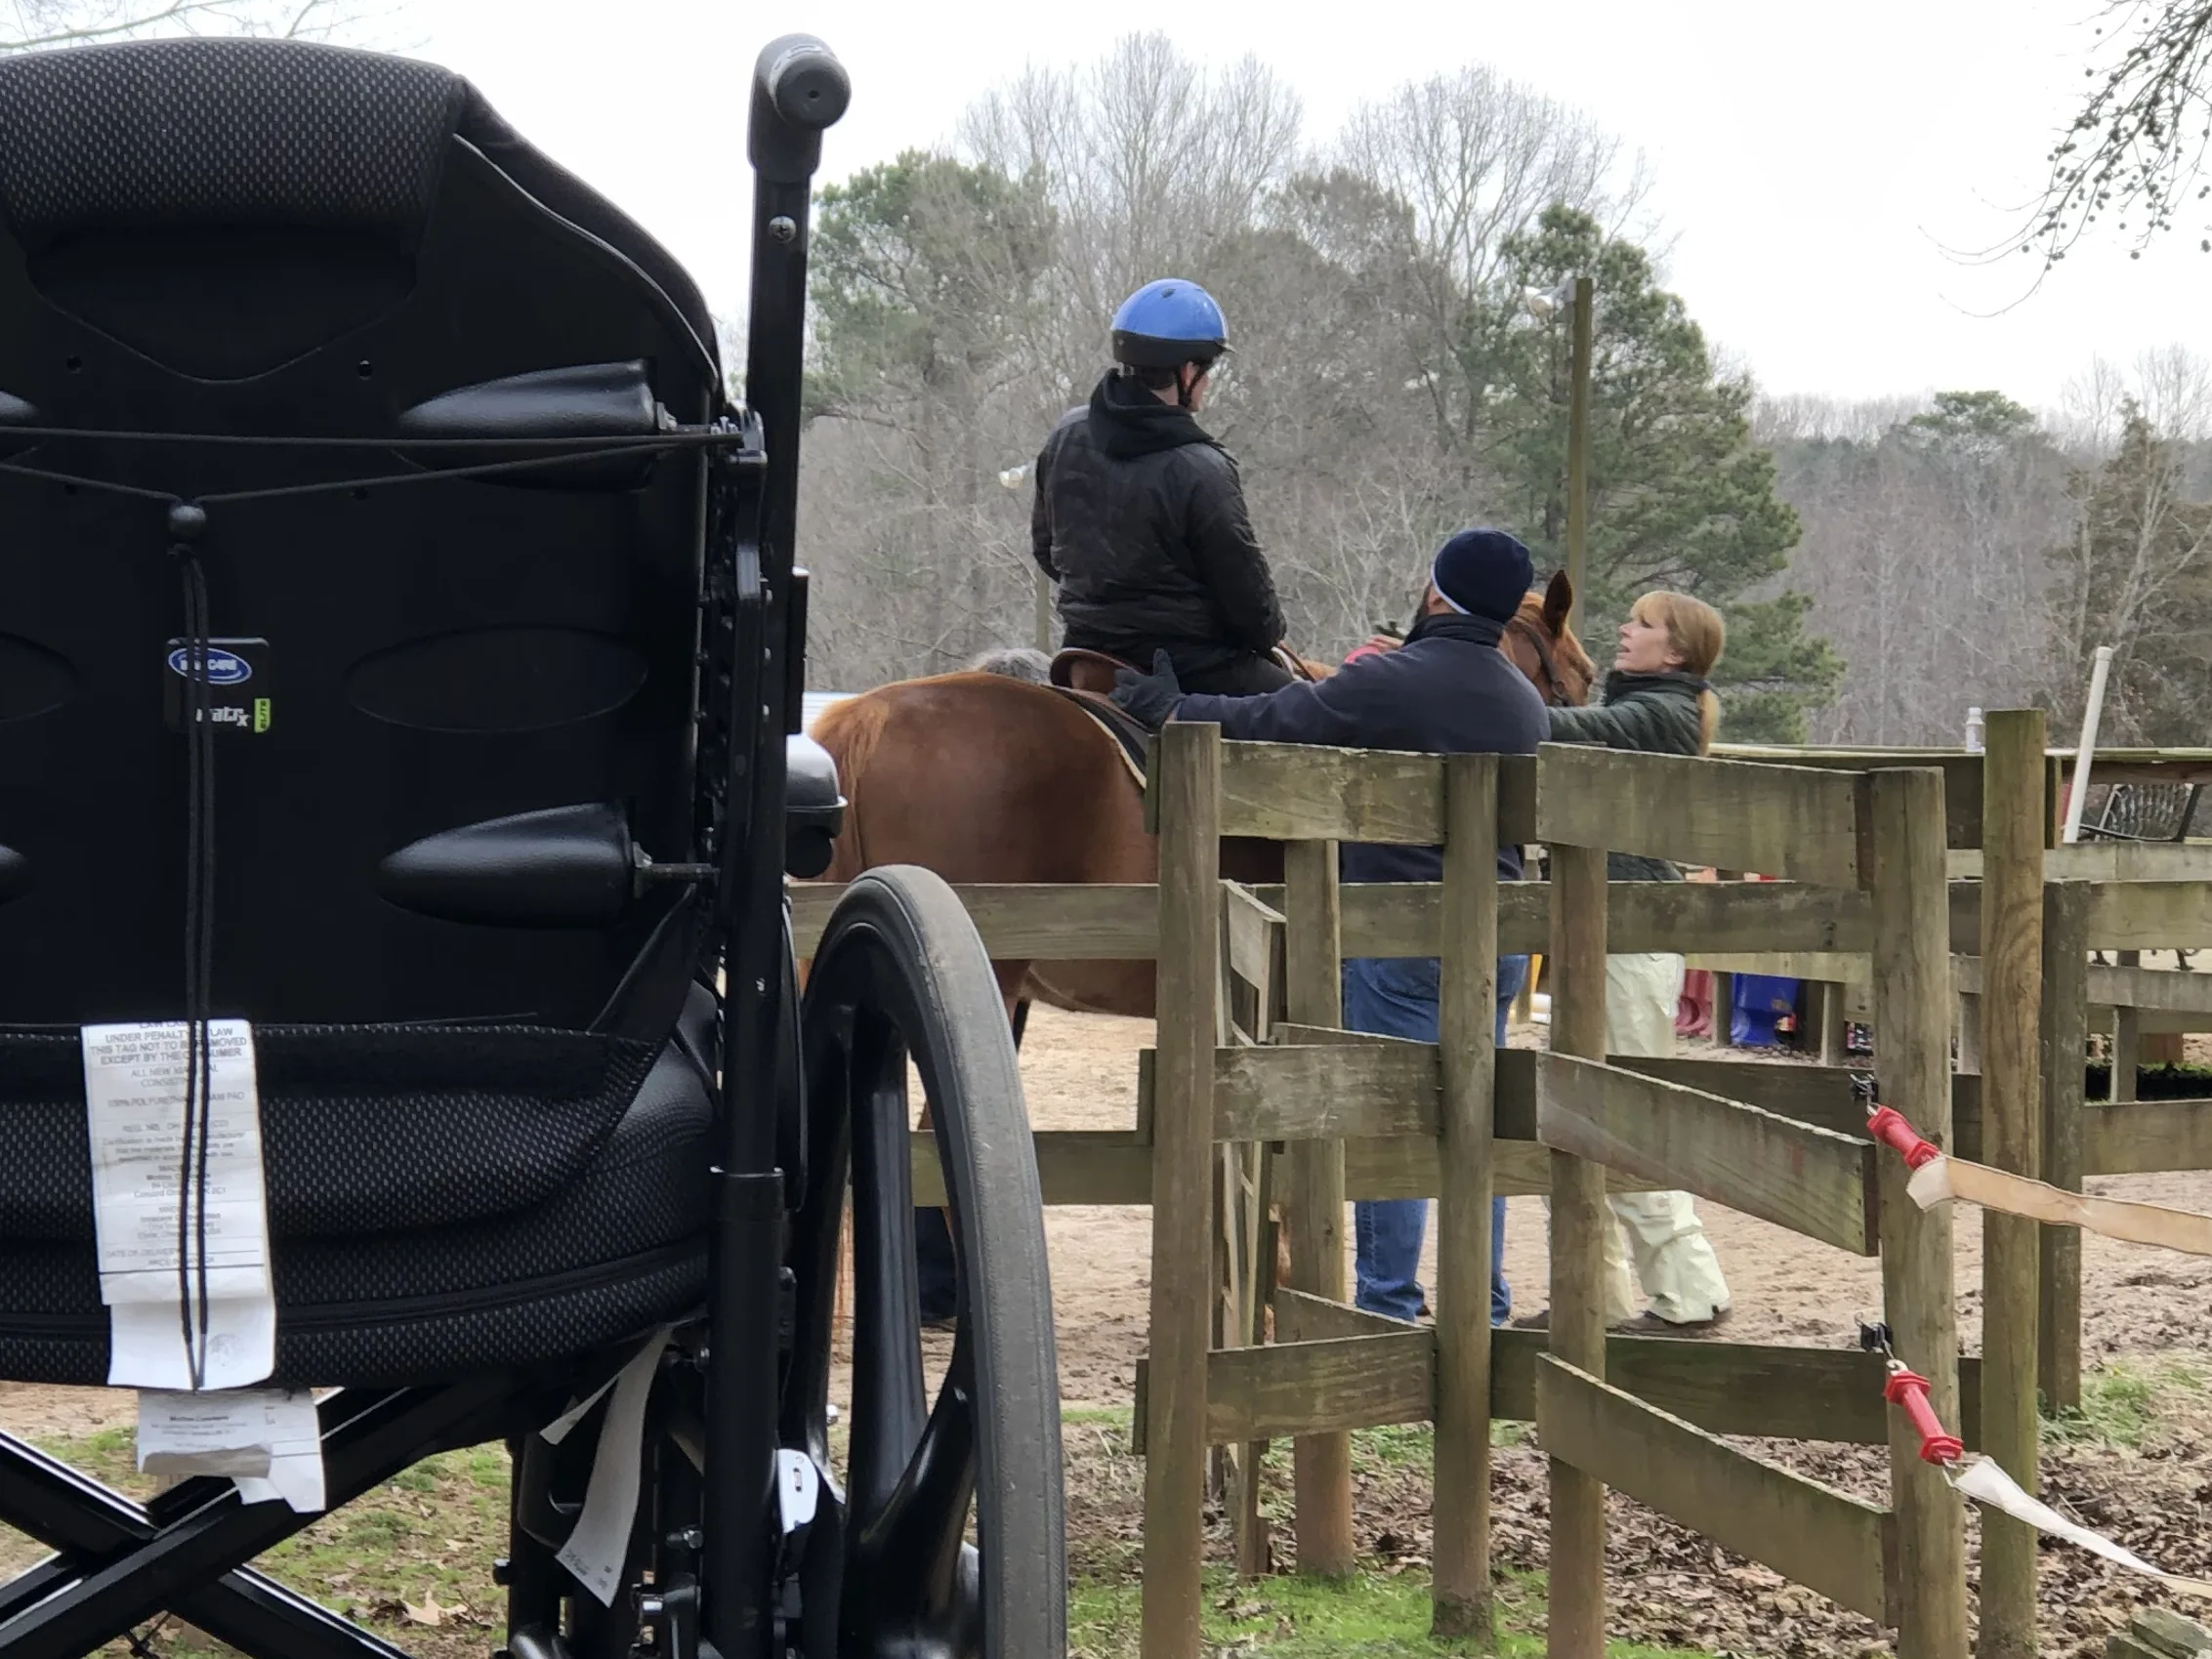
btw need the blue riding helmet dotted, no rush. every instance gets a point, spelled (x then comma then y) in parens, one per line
(1168, 323)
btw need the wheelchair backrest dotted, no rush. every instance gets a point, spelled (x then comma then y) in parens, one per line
(250, 240)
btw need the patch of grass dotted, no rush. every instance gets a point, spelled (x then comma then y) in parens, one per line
(410, 1560)
(2122, 1402)
(1373, 1616)
(109, 1456)
(1413, 1445)
(1406, 1445)
(421, 1546)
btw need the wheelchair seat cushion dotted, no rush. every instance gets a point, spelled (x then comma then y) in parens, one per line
(498, 1235)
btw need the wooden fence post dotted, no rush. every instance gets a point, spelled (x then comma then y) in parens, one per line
(1724, 989)
(2066, 1045)
(2127, 1041)
(1902, 826)
(1467, 1015)
(2012, 1113)
(1189, 781)
(1576, 1628)
(1315, 1204)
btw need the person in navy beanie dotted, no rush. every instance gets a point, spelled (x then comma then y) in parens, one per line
(1448, 690)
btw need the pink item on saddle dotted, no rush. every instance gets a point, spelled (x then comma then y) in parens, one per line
(1375, 646)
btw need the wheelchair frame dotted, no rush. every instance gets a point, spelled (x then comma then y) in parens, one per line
(711, 1568)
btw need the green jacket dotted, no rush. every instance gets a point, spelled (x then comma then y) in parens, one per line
(1655, 713)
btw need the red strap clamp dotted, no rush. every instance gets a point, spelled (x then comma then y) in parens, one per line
(1891, 1129)
(1910, 1391)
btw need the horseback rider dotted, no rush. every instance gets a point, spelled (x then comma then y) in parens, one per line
(1139, 515)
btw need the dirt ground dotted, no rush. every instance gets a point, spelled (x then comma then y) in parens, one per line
(1080, 1073)
(2144, 1305)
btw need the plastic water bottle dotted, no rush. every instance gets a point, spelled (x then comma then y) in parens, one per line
(1974, 732)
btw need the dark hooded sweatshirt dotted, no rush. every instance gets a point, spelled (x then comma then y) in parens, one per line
(1448, 690)
(1140, 518)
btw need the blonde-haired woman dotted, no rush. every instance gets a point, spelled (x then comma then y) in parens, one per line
(1656, 700)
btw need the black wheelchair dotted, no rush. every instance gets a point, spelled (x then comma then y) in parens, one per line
(403, 652)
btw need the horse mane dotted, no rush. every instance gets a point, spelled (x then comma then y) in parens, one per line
(1015, 662)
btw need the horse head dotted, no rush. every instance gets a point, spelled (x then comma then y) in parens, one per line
(1536, 642)
(1540, 646)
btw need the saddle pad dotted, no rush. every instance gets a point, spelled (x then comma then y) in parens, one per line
(1130, 737)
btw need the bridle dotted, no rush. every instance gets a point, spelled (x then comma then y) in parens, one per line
(1527, 630)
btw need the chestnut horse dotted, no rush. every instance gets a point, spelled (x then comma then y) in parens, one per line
(985, 778)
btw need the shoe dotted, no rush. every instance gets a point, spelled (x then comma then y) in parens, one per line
(1543, 1322)
(1652, 1325)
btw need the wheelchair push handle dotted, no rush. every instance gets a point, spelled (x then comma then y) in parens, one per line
(799, 90)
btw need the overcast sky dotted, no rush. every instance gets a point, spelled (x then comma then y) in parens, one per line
(1812, 162)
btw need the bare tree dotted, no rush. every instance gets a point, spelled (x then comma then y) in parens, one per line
(1478, 156)
(1153, 164)
(31, 26)
(2134, 570)
(1927, 530)
(2137, 142)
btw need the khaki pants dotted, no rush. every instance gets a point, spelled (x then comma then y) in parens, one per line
(1674, 1261)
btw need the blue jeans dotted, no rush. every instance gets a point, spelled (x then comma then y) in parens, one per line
(1397, 997)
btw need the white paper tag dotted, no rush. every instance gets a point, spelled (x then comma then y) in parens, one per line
(559, 1428)
(246, 1434)
(601, 1541)
(135, 1083)
(295, 1457)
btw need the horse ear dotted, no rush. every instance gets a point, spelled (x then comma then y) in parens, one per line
(1558, 600)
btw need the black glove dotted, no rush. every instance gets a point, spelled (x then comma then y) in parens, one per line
(1151, 698)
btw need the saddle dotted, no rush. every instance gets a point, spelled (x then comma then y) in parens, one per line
(1088, 672)
(1086, 678)
(1077, 670)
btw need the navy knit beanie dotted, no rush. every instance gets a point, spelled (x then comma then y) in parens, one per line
(1482, 573)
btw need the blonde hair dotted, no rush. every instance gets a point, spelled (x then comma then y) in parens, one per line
(1695, 633)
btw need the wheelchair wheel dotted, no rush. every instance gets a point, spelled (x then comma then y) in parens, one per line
(900, 974)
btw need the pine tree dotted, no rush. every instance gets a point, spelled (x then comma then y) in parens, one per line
(1679, 496)
(2137, 576)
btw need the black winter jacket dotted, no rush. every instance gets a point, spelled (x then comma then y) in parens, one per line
(1448, 690)
(1140, 519)
(1655, 713)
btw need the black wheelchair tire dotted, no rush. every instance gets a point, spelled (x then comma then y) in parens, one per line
(901, 971)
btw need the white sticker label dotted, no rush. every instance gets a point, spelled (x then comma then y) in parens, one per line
(295, 1456)
(226, 1433)
(135, 1083)
(268, 1440)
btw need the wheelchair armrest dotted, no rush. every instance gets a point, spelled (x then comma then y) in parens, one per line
(813, 812)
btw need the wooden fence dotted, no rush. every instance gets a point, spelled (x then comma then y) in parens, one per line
(1317, 1116)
